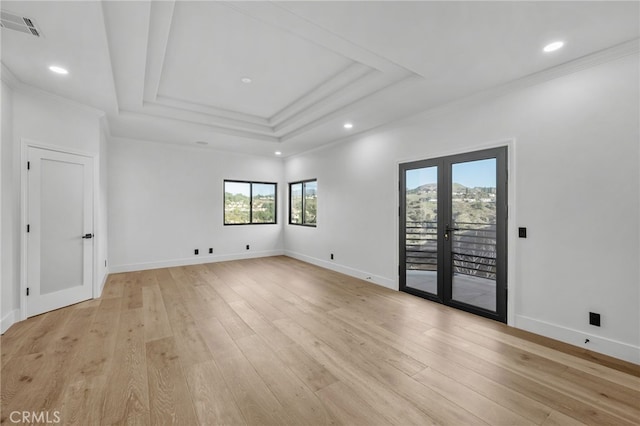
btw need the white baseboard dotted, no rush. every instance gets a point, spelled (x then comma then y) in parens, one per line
(102, 283)
(376, 279)
(598, 344)
(8, 320)
(192, 261)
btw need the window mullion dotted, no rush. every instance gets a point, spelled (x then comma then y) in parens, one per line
(251, 203)
(304, 185)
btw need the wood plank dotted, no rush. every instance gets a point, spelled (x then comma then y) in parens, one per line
(99, 344)
(551, 373)
(556, 418)
(261, 326)
(378, 384)
(278, 341)
(576, 363)
(169, 398)
(114, 287)
(156, 322)
(17, 336)
(192, 348)
(346, 406)
(132, 294)
(127, 391)
(213, 401)
(501, 369)
(254, 398)
(44, 376)
(47, 330)
(311, 372)
(483, 407)
(303, 407)
(82, 402)
(411, 345)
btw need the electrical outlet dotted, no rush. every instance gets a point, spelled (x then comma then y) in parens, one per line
(594, 319)
(522, 232)
(247, 246)
(196, 252)
(331, 256)
(210, 250)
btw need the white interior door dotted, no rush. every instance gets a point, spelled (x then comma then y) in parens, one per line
(60, 230)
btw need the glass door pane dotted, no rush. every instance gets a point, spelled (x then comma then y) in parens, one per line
(473, 228)
(421, 229)
(62, 224)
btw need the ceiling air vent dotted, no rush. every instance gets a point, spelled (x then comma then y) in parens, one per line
(12, 21)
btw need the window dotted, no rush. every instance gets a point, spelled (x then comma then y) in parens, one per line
(303, 202)
(249, 203)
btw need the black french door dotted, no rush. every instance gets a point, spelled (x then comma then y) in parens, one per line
(453, 231)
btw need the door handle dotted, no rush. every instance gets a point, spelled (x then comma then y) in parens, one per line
(87, 236)
(447, 230)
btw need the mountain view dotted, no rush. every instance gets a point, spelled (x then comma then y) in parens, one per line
(473, 213)
(470, 205)
(237, 208)
(308, 203)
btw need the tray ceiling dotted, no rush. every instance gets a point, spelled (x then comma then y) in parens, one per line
(171, 71)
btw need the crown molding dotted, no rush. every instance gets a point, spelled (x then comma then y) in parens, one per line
(160, 20)
(210, 110)
(278, 16)
(343, 100)
(330, 87)
(611, 54)
(352, 106)
(198, 124)
(160, 110)
(17, 85)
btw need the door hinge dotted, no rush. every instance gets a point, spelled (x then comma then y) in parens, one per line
(28, 228)
(27, 291)
(28, 165)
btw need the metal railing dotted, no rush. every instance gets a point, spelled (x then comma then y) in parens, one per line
(473, 248)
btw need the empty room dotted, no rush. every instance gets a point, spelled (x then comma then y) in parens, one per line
(320, 212)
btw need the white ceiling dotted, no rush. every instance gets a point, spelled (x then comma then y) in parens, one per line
(170, 71)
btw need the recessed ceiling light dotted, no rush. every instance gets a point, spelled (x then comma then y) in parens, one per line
(58, 70)
(202, 143)
(246, 80)
(278, 153)
(553, 46)
(348, 126)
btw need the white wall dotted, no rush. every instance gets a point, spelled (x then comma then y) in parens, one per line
(167, 200)
(45, 119)
(576, 186)
(102, 239)
(8, 233)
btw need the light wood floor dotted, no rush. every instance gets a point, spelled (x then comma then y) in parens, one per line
(278, 341)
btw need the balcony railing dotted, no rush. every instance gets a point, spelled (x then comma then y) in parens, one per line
(473, 248)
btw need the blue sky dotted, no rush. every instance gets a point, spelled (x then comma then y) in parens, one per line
(471, 174)
(243, 188)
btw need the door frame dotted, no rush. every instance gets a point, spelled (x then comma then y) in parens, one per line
(25, 145)
(512, 222)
